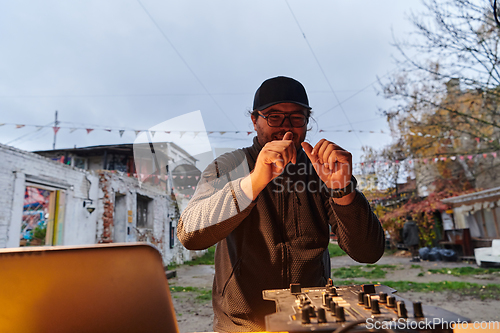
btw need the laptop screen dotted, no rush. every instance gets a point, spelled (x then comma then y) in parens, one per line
(96, 288)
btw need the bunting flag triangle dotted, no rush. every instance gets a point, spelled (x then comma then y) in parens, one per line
(56, 129)
(107, 130)
(248, 133)
(1, 124)
(494, 154)
(89, 130)
(39, 128)
(121, 132)
(71, 130)
(20, 126)
(321, 131)
(137, 133)
(182, 133)
(168, 132)
(153, 133)
(195, 134)
(222, 133)
(210, 133)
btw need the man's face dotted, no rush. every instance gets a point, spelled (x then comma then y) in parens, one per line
(266, 133)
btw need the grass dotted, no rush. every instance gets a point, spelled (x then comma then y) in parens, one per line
(335, 250)
(458, 271)
(205, 259)
(489, 291)
(203, 294)
(365, 271)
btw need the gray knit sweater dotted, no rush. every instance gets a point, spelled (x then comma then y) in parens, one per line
(279, 238)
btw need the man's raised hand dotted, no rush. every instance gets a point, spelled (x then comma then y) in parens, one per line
(271, 162)
(333, 164)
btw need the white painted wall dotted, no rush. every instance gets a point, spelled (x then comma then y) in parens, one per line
(17, 169)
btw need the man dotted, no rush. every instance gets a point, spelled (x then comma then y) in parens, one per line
(271, 225)
(411, 239)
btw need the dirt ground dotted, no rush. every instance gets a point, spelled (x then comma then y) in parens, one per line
(196, 315)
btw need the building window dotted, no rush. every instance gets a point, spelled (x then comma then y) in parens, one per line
(80, 163)
(43, 217)
(144, 212)
(172, 235)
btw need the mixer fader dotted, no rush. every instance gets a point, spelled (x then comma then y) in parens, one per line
(357, 308)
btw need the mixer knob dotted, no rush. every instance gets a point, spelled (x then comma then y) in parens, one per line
(375, 307)
(361, 298)
(321, 316)
(367, 301)
(333, 308)
(368, 288)
(312, 313)
(383, 297)
(402, 310)
(329, 283)
(295, 288)
(417, 310)
(332, 290)
(306, 311)
(340, 314)
(391, 302)
(325, 297)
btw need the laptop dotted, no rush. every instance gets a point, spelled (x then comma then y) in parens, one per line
(96, 288)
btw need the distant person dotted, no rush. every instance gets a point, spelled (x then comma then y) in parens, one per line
(271, 223)
(411, 238)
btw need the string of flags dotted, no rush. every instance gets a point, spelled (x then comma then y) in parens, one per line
(56, 129)
(477, 139)
(428, 160)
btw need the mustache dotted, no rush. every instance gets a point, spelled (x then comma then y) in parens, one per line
(282, 133)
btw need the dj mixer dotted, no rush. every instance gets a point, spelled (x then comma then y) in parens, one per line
(356, 308)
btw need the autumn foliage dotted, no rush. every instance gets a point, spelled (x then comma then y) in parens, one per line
(423, 210)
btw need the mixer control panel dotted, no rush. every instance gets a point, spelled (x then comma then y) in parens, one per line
(361, 307)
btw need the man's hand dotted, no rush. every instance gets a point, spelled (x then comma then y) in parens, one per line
(271, 162)
(333, 165)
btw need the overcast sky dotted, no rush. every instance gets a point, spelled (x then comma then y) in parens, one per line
(133, 64)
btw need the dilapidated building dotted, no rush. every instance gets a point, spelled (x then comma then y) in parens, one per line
(64, 199)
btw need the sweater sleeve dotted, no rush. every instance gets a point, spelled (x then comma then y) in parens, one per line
(218, 205)
(358, 230)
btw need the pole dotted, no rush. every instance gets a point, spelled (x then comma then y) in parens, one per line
(55, 132)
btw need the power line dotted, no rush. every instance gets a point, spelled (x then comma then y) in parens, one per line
(164, 94)
(38, 129)
(322, 71)
(184, 61)
(363, 89)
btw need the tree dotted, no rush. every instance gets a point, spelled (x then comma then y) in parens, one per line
(383, 168)
(448, 93)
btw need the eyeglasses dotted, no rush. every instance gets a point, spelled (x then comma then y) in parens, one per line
(277, 119)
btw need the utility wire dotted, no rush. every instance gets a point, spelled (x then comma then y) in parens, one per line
(322, 71)
(30, 133)
(184, 61)
(156, 95)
